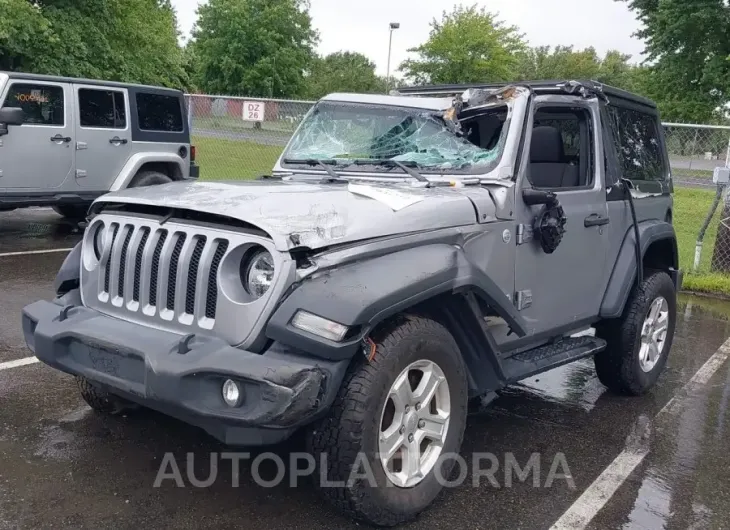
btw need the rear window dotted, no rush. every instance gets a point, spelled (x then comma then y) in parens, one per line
(158, 112)
(102, 109)
(42, 104)
(636, 138)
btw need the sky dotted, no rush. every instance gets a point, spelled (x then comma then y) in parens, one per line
(362, 25)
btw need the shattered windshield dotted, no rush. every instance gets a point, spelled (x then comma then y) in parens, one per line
(346, 133)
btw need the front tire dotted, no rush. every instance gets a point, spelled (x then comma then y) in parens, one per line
(149, 178)
(639, 342)
(385, 408)
(100, 400)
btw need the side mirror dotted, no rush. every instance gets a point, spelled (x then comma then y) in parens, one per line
(535, 197)
(12, 116)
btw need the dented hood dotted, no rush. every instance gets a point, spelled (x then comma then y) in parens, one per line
(311, 214)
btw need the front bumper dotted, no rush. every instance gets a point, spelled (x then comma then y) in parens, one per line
(282, 389)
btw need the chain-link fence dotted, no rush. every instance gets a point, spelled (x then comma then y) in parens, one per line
(695, 151)
(239, 137)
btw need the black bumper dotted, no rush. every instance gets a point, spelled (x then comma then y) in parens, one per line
(282, 389)
(194, 171)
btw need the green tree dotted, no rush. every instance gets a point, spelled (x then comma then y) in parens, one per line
(342, 72)
(467, 45)
(254, 47)
(124, 40)
(688, 46)
(563, 62)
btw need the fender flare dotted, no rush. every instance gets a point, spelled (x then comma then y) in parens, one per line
(362, 294)
(623, 275)
(137, 160)
(69, 275)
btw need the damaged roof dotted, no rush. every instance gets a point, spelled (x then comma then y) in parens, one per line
(429, 103)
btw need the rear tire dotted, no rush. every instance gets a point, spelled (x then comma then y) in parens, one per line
(624, 366)
(149, 178)
(73, 212)
(353, 432)
(101, 400)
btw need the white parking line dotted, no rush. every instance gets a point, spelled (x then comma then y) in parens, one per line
(29, 252)
(18, 362)
(597, 495)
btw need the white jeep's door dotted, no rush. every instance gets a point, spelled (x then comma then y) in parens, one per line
(39, 154)
(103, 137)
(563, 289)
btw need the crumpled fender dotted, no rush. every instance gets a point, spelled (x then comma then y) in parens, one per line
(364, 293)
(69, 274)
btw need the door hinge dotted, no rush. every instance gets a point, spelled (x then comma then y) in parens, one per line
(1, 173)
(1, 143)
(523, 299)
(80, 173)
(81, 145)
(524, 234)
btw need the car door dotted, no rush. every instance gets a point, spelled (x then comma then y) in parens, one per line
(39, 154)
(103, 139)
(562, 290)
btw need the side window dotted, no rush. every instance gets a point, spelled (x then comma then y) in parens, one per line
(158, 112)
(102, 109)
(561, 150)
(636, 137)
(42, 104)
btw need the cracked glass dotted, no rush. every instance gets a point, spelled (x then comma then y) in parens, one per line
(636, 139)
(346, 132)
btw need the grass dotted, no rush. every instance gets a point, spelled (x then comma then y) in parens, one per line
(221, 159)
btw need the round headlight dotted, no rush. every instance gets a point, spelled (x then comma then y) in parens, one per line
(257, 272)
(99, 240)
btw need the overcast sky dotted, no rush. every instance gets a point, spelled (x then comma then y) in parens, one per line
(362, 25)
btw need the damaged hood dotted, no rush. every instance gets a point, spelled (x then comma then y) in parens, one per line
(314, 215)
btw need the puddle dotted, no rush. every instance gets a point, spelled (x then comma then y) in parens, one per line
(693, 306)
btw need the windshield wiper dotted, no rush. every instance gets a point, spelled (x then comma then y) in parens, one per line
(324, 164)
(407, 167)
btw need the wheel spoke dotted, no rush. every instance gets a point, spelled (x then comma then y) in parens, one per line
(390, 441)
(427, 388)
(401, 393)
(411, 460)
(655, 308)
(434, 427)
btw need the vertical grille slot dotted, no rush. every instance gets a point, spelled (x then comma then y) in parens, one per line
(212, 295)
(174, 260)
(108, 268)
(123, 260)
(193, 275)
(156, 267)
(138, 263)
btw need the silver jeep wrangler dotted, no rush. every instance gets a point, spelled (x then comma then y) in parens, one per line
(409, 252)
(64, 142)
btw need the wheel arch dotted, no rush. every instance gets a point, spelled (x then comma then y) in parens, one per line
(659, 252)
(141, 161)
(366, 294)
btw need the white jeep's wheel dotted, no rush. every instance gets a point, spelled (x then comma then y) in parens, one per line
(402, 414)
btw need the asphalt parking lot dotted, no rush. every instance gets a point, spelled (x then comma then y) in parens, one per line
(660, 461)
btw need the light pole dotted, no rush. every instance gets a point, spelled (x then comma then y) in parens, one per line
(393, 26)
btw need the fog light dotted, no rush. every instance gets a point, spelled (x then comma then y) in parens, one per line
(231, 393)
(319, 326)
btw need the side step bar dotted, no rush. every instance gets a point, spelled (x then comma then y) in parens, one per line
(538, 360)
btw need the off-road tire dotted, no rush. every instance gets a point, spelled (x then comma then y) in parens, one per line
(73, 212)
(352, 425)
(100, 400)
(618, 365)
(149, 178)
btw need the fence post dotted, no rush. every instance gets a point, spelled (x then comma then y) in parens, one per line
(708, 220)
(189, 97)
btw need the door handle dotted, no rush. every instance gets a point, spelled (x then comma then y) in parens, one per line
(116, 140)
(595, 220)
(59, 138)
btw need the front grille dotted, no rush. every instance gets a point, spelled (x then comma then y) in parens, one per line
(171, 273)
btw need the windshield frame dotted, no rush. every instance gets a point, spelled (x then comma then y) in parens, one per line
(505, 155)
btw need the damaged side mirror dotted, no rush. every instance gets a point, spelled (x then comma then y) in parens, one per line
(549, 225)
(536, 197)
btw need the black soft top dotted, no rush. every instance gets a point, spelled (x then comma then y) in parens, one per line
(539, 87)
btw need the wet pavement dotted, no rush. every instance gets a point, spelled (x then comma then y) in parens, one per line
(63, 466)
